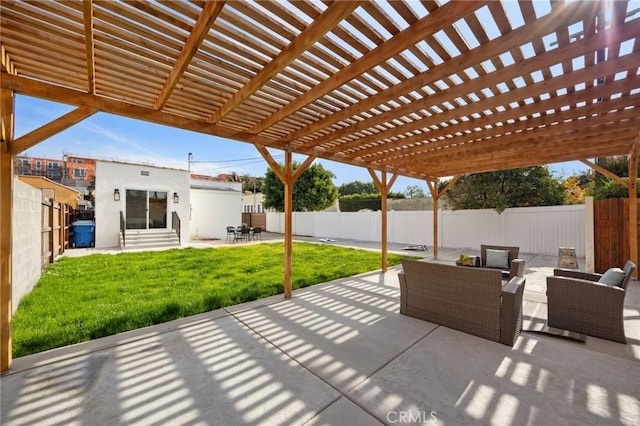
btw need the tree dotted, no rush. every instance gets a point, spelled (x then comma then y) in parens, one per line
(357, 187)
(523, 187)
(91, 190)
(414, 191)
(312, 191)
(602, 186)
(252, 183)
(573, 192)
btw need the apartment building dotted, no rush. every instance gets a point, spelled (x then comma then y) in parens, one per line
(38, 166)
(79, 171)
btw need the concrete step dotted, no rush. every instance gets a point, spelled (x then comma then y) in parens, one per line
(150, 239)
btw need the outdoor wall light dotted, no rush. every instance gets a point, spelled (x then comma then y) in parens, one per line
(176, 199)
(116, 194)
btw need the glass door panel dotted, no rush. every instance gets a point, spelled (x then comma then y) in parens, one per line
(136, 209)
(157, 210)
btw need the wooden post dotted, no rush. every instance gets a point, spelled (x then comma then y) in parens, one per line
(6, 227)
(287, 177)
(384, 187)
(288, 222)
(633, 203)
(436, 195)
(433, 188)
(383, 219)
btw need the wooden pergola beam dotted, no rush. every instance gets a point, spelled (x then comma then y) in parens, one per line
(335, 13)
(502, 117)
(87, 11)
(208, 16)
(6, 64)
(512, 40)
(479, 146)
(26, 86)
(519, 159)
(605, 172)
(271, 162)
(432, 23)
(7, 104)
(52, 128)
(449, 185)
(298, 172)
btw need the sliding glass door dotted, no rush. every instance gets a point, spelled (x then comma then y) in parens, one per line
(146, 209)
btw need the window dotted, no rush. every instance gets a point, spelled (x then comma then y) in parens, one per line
(52, 165)
(26, 163)
(76, 160)
(79, 172)
(38, 165)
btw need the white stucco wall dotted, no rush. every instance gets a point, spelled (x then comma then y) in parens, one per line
(26, 259)
(213, 209)
(110, 175)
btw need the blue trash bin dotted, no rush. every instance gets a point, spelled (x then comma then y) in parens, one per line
(83, 233)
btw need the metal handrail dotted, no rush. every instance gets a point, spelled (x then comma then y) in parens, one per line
(175, 224)
(123, 225)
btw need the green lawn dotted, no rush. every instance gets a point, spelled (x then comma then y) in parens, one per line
(79, 299)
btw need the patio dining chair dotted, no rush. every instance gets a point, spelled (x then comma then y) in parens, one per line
(231, 233)
(243, 234)
(256, 233)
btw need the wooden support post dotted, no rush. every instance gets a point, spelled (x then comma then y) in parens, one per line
(287, 177)
(436, 195)
(384, 187)
(6, 227)
(288, 222)
(433, 189)
(633, 203)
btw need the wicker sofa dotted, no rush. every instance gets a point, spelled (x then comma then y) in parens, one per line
(472, 300)
(576, 301)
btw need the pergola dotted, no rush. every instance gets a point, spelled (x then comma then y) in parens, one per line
(425, 89)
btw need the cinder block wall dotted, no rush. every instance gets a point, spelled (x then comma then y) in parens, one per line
(26, 265)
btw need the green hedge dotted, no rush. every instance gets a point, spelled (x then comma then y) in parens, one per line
(351, 204)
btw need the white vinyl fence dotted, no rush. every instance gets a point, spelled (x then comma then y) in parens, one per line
(540, 230)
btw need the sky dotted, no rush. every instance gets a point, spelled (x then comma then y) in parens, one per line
(111, 137)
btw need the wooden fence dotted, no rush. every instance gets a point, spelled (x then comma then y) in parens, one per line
(55, 230)
(255, 219)
(611, 233)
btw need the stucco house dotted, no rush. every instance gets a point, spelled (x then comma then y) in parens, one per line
(151, 199)
(145, 197)
(214, 206)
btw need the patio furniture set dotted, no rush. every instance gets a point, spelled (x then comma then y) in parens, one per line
(243, 233)
(484, 298)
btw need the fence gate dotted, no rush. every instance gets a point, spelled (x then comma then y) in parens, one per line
(611, 233)
(255, 219)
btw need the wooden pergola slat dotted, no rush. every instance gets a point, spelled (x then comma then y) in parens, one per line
(318, 28)
(209, 14)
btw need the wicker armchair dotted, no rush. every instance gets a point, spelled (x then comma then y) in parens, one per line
(578, 302)
(516, 266)
(473, 300)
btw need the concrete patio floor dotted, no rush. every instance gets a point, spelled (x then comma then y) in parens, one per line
(338, 353)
